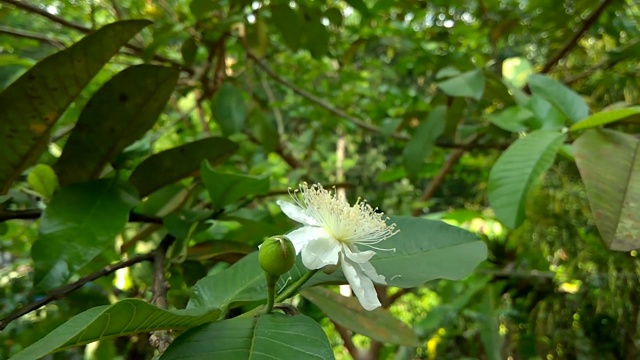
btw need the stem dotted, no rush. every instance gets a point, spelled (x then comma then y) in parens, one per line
(291, 290)
(271, 293)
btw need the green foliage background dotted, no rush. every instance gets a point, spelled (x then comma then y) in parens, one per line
(487, 115)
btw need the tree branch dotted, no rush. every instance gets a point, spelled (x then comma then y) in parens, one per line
(346, 340)
(571, 43)
(33, 36)
(161, 339)
(33, 214)
(85, 30)
(61, 292)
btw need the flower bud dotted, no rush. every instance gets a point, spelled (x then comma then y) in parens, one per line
(277, 255)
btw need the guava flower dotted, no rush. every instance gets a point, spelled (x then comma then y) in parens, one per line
(332, 233)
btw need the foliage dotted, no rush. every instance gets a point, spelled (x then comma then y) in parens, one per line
(143, 146)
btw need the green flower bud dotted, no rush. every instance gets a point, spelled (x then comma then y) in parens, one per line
(277, 255)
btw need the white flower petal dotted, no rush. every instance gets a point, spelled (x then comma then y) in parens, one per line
(296, 213)
(371, 273)
(301, 237)
(361, 285)
(358, 256)
(321, 252)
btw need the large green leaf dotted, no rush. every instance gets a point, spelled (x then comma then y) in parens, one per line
(468, 84)
(126, 317)
(424, 250)
(421, 143)
(226, 188)
(267, 337)
(547, 116)
(32, 104)
(609, 164)
(565, 99)
(605, 117)
(117, 115)
(229, 109)
(79, 223)
(378, 324)
(517, 170)
(171, 165)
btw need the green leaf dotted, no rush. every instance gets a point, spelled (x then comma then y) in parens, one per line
(548, 116)
(490, 336)
(43, 180)
(227, 188)
(171, 165)
(517, 170)
(288, 23)
(605, 117)
(468, 84)
(116, 116)
(512, 119)
(267, 337)
(126, 317)
(421, 143)
(219, 250)
(609, 164)
(565, 99)
(229, 109)
(32, 104)
(79, 223)
(189, 50)
(378, 324)
(424, 250)
(360, 7)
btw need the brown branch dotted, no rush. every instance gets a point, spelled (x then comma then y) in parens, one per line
(573, 41)
(161, 339)
(397, 295)
(61, 292)
(347, 341)
(85, 30)
(33, 214)
(33, 36)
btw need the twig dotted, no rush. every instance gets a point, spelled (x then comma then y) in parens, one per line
(85, 30)
(571, 43)
(347, 341)
(161, 339)
(32, 214)
(438, 180)
(33, 36)
(62, 291)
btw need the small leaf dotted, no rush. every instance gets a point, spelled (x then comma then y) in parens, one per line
(421, 143)
(189, 50)
(267, 337)
(43, 180)
(117, 115)
(171, 165)
(229, 109)
(288, 23)
(378, 324)
(517, 170)
(226, 188)
(360, 7)
(548, 116)
(609, 164)
(79, 223)
(32, 104)
(512, 119)
(566, 100)
(126, 317)
(220, 250)
(468, 84)
(605, 117)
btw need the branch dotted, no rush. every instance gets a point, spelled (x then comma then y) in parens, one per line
(61, 292)
(571, 43)
(33, 36)
(33, 214)
(85, 30)
(438, 180)
(346, 340)
(161, 339)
